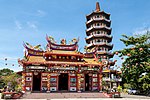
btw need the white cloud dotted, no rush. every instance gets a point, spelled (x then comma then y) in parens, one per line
(18, 25)
(32, 25)
(141, 31)
(41, 13)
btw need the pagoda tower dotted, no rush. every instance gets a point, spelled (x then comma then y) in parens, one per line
(98, 33)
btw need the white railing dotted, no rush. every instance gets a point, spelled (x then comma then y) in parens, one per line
(98, 27)
(97, 19)
(99, 43)
(99, 35)
(108, 52)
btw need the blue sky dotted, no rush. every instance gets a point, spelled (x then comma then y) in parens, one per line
(31, 20)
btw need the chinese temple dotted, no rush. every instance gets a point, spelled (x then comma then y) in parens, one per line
(61, 67)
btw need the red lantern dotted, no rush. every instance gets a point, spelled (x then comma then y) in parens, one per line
(116, 53)
(132, 48)
(128, 54)
(104, 56)
(141, 49)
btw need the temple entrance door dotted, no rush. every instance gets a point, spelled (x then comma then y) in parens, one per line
(63, 81)
(36, 81)
(88, 82)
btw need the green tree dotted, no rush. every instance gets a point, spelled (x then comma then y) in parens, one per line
(136, 67)
(8, 76)
(5, 72)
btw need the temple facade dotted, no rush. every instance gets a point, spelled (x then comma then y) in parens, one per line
(61, 67)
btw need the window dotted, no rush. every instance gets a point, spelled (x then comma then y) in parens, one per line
(73, 80)
(44, 84)
(94, 79)
(28, 78)
(53, 84)
(53, 80)
(73, 84)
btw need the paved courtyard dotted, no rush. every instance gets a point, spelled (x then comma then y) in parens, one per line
(80, 96)
(63, 95)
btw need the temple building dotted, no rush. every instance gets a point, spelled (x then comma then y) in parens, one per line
(62, 67)
(59, 67)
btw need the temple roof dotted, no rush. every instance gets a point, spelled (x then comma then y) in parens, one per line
(41, 60)
(112, 71)
(62, 46)
(63, 52)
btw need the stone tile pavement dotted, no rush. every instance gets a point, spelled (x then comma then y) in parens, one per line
(79, 96)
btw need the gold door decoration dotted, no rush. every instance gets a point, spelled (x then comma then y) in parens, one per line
(48, 81)
(79, 81)
(100, 82)
(23, 81)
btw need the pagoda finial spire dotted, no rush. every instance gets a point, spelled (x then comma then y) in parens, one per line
(97, 7)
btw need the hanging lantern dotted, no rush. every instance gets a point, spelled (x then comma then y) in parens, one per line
(132, 48)
(128, 54)
(104, 57)
(6, 64)
(116, 53)
(141, 49)
(12, 64)
(122, 58)
(5, 59)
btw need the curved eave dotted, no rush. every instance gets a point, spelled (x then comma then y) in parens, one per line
(106, 53)
(95, 12)
(61, 63)
(103, 20)
(69, 45)
(65, 54)
(97, 29)
(89, 54)
(110, 71)
(72, 48)
(104, 45)
(100, 36)
(33, 51)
